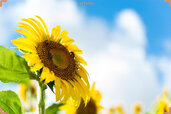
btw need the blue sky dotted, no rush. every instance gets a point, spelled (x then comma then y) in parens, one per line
(119, 63)
(154, 13)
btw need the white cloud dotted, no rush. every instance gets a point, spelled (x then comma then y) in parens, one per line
(54, 12)
(131, 25)
(164, 64)
(117, 59)
(124, 72)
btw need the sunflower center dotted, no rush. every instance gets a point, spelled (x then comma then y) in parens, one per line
(57, 58)
(90, 108)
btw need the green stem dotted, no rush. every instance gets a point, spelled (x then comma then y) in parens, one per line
(42, 99)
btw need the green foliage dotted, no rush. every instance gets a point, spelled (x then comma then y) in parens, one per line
(13, 68)
(53, 109)
(10, 103)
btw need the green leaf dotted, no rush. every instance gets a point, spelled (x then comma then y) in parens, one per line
(53, 109)
(10, 103)
(13, 68)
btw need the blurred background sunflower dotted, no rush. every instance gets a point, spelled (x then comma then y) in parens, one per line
(162, 105)
(28, 96)
(137, 109)
(116, 110)
(91, 107)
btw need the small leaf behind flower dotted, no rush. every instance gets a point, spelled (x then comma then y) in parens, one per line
(53, 109)
(13, 68)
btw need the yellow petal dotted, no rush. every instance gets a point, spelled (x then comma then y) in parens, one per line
(47, 31)
(73, 91)
(67, 41)
(63, 34)
(65, 90)
(53, 32)
(36, 67)
(25, 44)
(83, 85)
(97, 97)
(42, 77)
(74, 48)
(44, 73)
(33, 25)
(32, 58)
(83, 69)
(61, 94)
(57, 31)
(64, 107)
(57, 88)
(39, 25)
(77, 95)
(99, 108)
(33, 34)
(84, 77)
(47, 75)
(80, 59)
(93, 86)
(81, 90)
(25, 33)
(49, 78)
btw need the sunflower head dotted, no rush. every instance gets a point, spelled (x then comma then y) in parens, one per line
(25, 88)
(111, 110)
(28, 94)
(163, 103)
(55, 58)
(163, 106)
(91, 107)
(22, 91)
(116, 110)
(137, 109)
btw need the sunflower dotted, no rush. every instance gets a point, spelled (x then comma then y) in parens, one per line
(163, 103)
(116, 110)
(22, 91)
(24, 88)
(91, 107)
(54, 57)
(28, 94)
(163, 106)
(137, 109)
